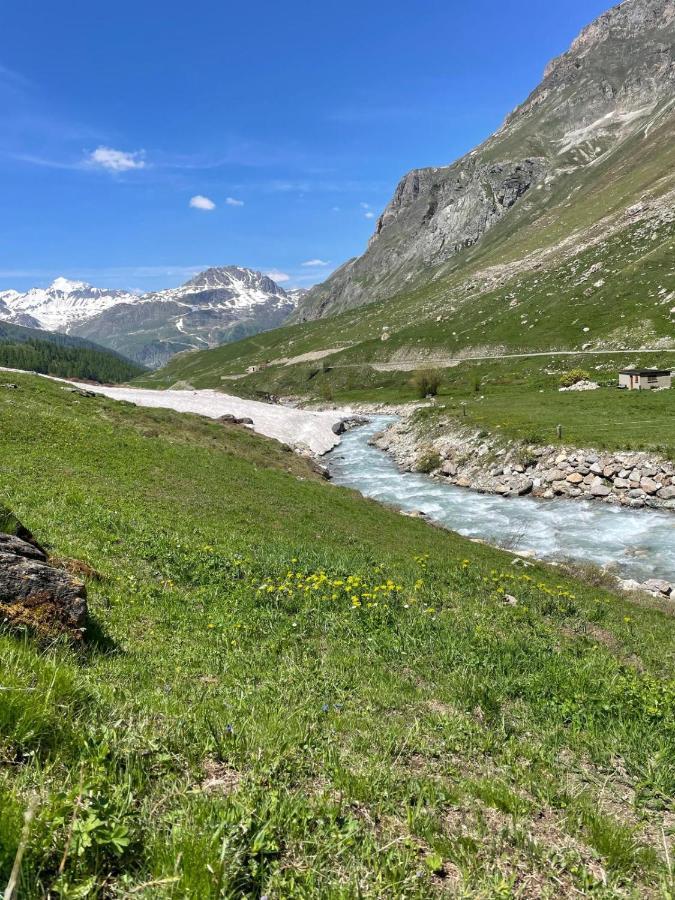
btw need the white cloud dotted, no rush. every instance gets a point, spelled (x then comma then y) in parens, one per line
(365, 206)
(316, 262)
(116, 160)
(279, 277)
(10, 75)
(232, 201)
(200, 202)
(370, 215)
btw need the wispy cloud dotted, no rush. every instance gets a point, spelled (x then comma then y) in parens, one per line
(42, 161)
(232, 201)
(365, 205)
(116, 160)
(279, 277)
(315, 263)
(13, 77)
(201, 202)
(369, 215)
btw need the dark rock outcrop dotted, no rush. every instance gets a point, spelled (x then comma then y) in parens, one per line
(229, 419)
(347, 424)
(36, 595)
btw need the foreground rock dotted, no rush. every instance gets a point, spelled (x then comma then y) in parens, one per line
(485, 463)
(34, 594)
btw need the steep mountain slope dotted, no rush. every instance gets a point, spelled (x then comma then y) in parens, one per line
(62, 355)
(584, 261)
(616, 85)
(216, 306)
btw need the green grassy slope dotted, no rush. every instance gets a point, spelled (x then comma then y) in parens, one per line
(61, 355)
(522, 402)
(290, 691)
(566, 269)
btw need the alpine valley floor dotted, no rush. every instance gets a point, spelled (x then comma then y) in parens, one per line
(290, 691)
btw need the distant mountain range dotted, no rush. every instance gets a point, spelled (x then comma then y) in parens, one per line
(215, 307)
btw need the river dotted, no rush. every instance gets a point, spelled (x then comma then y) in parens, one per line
(637, 544)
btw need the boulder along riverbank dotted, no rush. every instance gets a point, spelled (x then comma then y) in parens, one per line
(485, 463)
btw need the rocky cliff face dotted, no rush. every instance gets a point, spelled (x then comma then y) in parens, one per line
(615, 82)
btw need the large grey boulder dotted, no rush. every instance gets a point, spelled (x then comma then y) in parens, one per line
(599, 488)
(659, 586)
(36, 595)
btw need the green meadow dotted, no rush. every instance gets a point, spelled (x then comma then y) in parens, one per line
(289, 691)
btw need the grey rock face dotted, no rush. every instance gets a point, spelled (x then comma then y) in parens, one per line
(618, 73)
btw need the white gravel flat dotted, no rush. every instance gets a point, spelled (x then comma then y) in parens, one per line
(298, 428)
(302, 429)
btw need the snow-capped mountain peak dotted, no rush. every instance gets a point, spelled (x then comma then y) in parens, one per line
(230, 287)
(234, 277)
(217, 305)
(59, 306)
(66, 286)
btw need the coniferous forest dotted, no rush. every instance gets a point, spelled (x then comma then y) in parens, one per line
(62, 356)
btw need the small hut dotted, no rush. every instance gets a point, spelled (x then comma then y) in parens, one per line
(645, 379)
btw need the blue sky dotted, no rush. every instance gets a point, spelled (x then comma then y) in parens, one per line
(296, 120)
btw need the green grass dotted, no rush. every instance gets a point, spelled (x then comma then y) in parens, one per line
(522, 402)
(241, 724)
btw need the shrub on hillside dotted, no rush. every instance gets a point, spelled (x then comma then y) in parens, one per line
(426, 383)
(428, 462)
(573, 376)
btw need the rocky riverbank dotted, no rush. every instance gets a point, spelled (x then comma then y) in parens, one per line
(486, 464)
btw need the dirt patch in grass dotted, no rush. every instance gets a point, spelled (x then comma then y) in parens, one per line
(608, 640)
(219, 778)
(534, 856)
(76, 567)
